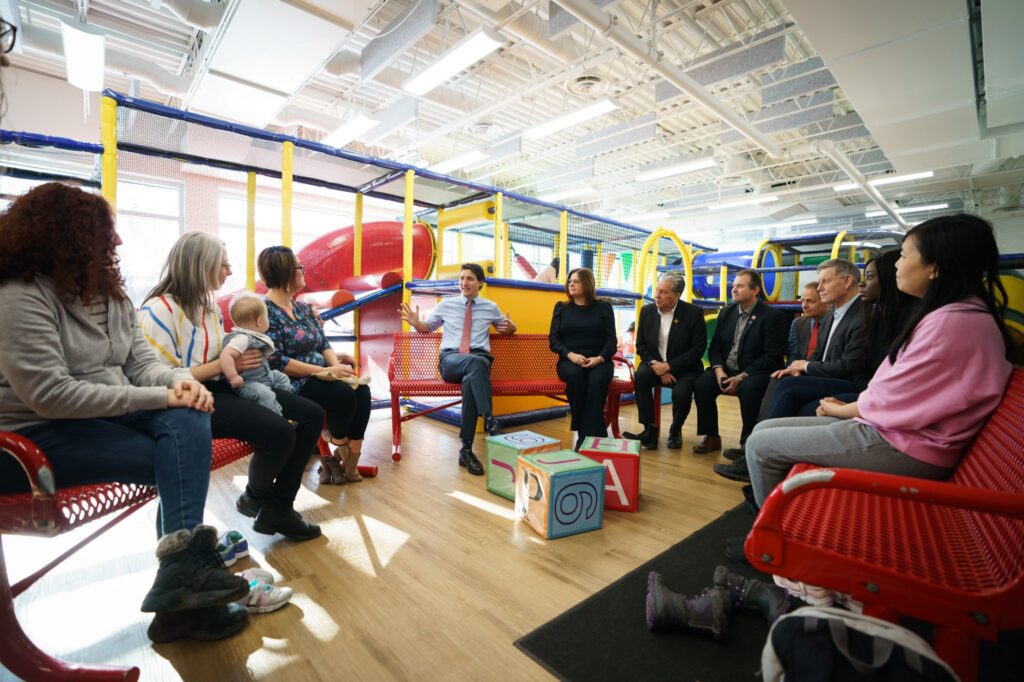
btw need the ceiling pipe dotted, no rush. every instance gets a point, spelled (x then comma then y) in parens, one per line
(52, 43)
(607, 25)
(197, 13)
(832, 151)
(526, 26)
(294, 115)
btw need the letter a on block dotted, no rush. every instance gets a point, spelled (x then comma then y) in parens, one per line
(616, 485)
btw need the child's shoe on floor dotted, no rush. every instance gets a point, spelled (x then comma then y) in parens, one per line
(232, 546)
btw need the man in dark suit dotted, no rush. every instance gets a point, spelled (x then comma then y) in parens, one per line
(670, 341)
(805, 330)
(835, 366)
(748, 345)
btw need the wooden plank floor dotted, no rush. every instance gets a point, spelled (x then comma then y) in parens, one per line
(421, 573)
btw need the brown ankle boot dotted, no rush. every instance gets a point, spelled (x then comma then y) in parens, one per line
(333, 464)
(351, 461)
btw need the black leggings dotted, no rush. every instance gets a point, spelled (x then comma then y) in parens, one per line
(281, 450)
(347, 410)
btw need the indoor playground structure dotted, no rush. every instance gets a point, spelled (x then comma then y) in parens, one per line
(358, 274)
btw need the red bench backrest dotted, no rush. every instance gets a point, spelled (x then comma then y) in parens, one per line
(516, 358)
(996, 458)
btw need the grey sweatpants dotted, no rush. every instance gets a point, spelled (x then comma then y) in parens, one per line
(776, 445)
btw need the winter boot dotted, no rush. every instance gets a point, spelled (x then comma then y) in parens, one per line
(667, 609)
(753, 596)
(351, 462)
(192, 573)
(213, 622)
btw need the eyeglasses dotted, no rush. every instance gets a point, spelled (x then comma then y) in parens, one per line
(8, 34)
(301, 268)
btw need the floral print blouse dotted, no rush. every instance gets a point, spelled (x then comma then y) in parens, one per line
(301, 339)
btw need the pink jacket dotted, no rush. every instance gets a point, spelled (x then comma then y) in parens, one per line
(944, 384)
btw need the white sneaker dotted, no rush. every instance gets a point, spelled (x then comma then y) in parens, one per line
(263, 597)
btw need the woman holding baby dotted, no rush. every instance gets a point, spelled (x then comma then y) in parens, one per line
(317, 371)
(180, 319)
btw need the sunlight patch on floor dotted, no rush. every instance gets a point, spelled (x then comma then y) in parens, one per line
(483, 505)
(365, 543)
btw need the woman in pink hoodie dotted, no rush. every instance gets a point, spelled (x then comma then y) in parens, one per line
(944, 374)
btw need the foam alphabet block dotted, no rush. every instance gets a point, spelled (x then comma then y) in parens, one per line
(621, 458)
(502, 453)
(560, 493)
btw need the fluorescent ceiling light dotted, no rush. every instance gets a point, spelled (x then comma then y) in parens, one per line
(641, 217)
(350, 130)
(84, 53)
(458, 161)
(569, 120)
(462, 55)
(885, 180)
(677, 169)
(567, 194)
(742, 202)
(908, 209)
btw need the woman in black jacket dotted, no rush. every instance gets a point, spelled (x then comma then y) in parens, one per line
(583, 335)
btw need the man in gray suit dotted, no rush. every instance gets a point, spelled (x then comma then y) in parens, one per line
(836, 366)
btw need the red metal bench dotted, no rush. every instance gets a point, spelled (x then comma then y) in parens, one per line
(523, 365)
(49, 511)
(950, 553)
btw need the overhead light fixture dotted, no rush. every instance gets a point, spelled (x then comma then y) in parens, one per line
(84, 55)
(350, 130)
(566, 194)
(885, 180)
(908, 209)
(462, 55)
(643, 217)
(457, 162)
(569, 120)
(677, 169)
(742, 202)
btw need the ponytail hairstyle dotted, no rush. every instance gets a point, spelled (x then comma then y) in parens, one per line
(962, 247)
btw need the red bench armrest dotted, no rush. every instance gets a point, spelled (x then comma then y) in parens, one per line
(32, 460)
(887, 485)
(621, 360)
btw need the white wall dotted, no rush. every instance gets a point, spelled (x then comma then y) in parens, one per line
(1009, 231)
(49, 106)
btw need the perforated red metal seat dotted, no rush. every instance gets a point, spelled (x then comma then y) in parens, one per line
(523, 365)
(951, 553)
(49, 511)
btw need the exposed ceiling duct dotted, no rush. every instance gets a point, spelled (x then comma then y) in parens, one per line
(525, 26)
(50, 42)
(197, 13)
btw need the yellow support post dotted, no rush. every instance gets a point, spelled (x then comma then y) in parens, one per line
(723, 285)
(796, 278)
(410, 178)
(439, 251)
(499, 243)
(250, 231)
(287, 164)
(108, 163)
(563, 246)
(837, 245)
(357, 267)
(458, 247)
(597, 265)
(506, 258)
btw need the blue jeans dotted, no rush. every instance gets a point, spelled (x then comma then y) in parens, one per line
(170, 449)
(799, 396)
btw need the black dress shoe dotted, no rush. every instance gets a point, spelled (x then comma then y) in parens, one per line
(491, 425)
(648, 437)
(735, 471)
(468, 459)
(248, 506)
(675, 441)
(280, 517)
(734, 550)
(732, 454)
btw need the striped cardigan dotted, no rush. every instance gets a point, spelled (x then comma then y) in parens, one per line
(176, 340)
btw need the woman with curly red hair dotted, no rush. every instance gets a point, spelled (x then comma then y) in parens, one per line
(78, 378)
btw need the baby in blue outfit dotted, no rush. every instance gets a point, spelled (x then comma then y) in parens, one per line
(249, 315)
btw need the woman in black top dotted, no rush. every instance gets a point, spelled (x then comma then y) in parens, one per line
(890, 308)
(583, 335)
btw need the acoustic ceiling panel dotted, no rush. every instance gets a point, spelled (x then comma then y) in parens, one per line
(731, 61)
(788, 115)
(1003, 50)
(640, 129)
(807, 76)
(397, 37)
(560, 20)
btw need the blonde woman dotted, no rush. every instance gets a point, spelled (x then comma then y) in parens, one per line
(182, 322)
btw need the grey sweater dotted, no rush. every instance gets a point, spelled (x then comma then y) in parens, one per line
(56, 363)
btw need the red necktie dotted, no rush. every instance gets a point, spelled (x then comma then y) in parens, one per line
(814, 338)
(467, 327)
